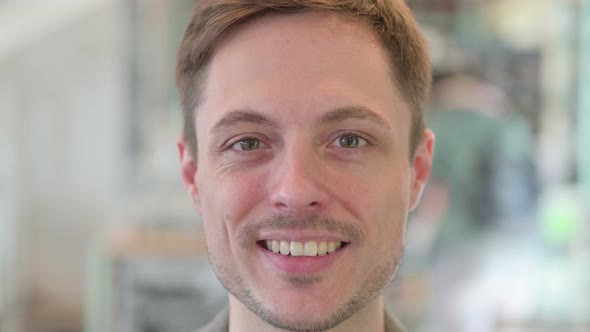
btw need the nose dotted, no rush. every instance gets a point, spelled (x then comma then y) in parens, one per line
(299, 186)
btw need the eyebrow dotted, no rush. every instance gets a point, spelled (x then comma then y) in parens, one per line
(336, 115)
(240, 116)
(354, 112)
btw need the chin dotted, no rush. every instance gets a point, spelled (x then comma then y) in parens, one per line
(310, 310)
(304, 320)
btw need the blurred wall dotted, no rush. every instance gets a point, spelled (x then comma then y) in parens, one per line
(62, 101)
(7, 212)
(584, 100)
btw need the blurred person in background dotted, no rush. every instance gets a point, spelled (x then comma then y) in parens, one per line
(482, 177)
(304, 150)
(483, 171)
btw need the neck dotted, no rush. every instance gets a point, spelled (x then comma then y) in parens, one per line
(370, 318)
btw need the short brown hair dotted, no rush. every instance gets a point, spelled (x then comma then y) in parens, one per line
(391, 20)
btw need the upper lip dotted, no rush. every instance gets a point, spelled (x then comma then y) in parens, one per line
(301, 236)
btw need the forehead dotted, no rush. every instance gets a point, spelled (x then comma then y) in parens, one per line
(304, 61)
(284, 32)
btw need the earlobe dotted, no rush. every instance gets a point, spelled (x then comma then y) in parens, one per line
(188, 170)
(421, 167)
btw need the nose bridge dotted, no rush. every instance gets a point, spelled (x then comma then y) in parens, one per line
(299, 187)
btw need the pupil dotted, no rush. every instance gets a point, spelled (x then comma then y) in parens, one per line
(349, 141)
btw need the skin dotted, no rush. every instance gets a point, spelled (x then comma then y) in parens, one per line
(311, 97)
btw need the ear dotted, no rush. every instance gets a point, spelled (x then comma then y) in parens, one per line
(421, 167)
(188, 168)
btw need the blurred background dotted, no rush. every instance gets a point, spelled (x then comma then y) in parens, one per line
(97, 233)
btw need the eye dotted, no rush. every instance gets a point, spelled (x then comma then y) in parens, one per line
(247, 144)
(350, 141)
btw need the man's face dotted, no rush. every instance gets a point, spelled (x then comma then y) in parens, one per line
(303, 143)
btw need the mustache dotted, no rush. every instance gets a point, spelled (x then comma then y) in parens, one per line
(248, 234)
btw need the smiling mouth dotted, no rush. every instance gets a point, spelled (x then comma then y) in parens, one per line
(307, 249)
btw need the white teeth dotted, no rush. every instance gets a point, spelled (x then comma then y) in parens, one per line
(276, 246)
(309, 248)
(296, 249)
(331, 247)
(284, 247)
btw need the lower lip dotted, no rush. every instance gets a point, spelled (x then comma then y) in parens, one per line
(301, 264)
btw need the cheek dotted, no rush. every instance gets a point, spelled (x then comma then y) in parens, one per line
(384, 188)
(382, 203)
(227, 200)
